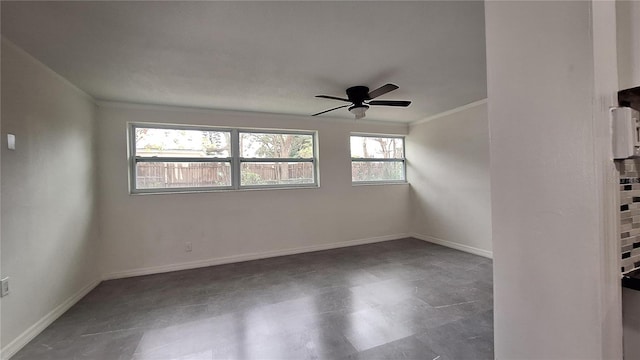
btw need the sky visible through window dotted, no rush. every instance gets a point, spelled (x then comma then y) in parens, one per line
(179, 142)
(377, 147)
(203, 143)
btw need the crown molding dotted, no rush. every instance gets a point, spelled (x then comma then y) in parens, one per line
(450, 112)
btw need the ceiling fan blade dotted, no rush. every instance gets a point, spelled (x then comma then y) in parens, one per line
(402, 103)
(326, 111)
(332, 98)
(382, 90)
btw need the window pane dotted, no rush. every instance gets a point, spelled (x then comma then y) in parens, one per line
(258, 145)
(377, 147)
(278, 173)
(165, 175)
(182, 143)
(377, 171)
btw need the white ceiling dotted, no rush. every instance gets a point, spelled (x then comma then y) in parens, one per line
(261, 56)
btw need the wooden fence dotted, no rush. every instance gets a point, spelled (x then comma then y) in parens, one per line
(179, 175)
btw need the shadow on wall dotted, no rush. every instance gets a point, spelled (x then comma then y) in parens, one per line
(448, 168)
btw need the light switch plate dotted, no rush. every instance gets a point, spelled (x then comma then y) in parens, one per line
(11, 141)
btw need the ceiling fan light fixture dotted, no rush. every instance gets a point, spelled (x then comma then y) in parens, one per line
(359, 98)
(358, 110)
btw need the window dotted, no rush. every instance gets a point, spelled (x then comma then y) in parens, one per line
(182, 158)
(377, 159)
(269, 158)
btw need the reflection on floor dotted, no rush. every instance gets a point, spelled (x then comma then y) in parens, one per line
(403, 299)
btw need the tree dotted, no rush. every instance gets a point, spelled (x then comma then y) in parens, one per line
(381, 148)
(389, 148)
(213, 144)
(282, 146)
(141, 133)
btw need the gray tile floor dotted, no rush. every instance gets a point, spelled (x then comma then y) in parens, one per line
(402, 299)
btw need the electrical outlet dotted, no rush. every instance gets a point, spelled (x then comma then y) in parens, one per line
(5, 287)
(187, 247)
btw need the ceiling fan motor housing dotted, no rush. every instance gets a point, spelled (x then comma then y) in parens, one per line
(358, 94)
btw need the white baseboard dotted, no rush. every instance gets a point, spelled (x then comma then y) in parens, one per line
(23, 339)
(247, 257)
(454, 245)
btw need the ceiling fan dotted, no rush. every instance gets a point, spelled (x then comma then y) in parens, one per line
(360, 98)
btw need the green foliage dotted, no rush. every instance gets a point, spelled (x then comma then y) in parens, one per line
(249, 178)
(213, 144)
(302, 147)
(376, 171)
(284, 145)
(154, 147)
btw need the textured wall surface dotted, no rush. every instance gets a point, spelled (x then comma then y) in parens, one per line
(49, 229)
(448, 168)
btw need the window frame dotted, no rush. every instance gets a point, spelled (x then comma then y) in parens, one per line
(402, 160)
(312, 160)
(235, 160)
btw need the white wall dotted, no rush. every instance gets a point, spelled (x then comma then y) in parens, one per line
(628, 24)
(448, 168)
(551, 79)
(49, 235)
(146, 233)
